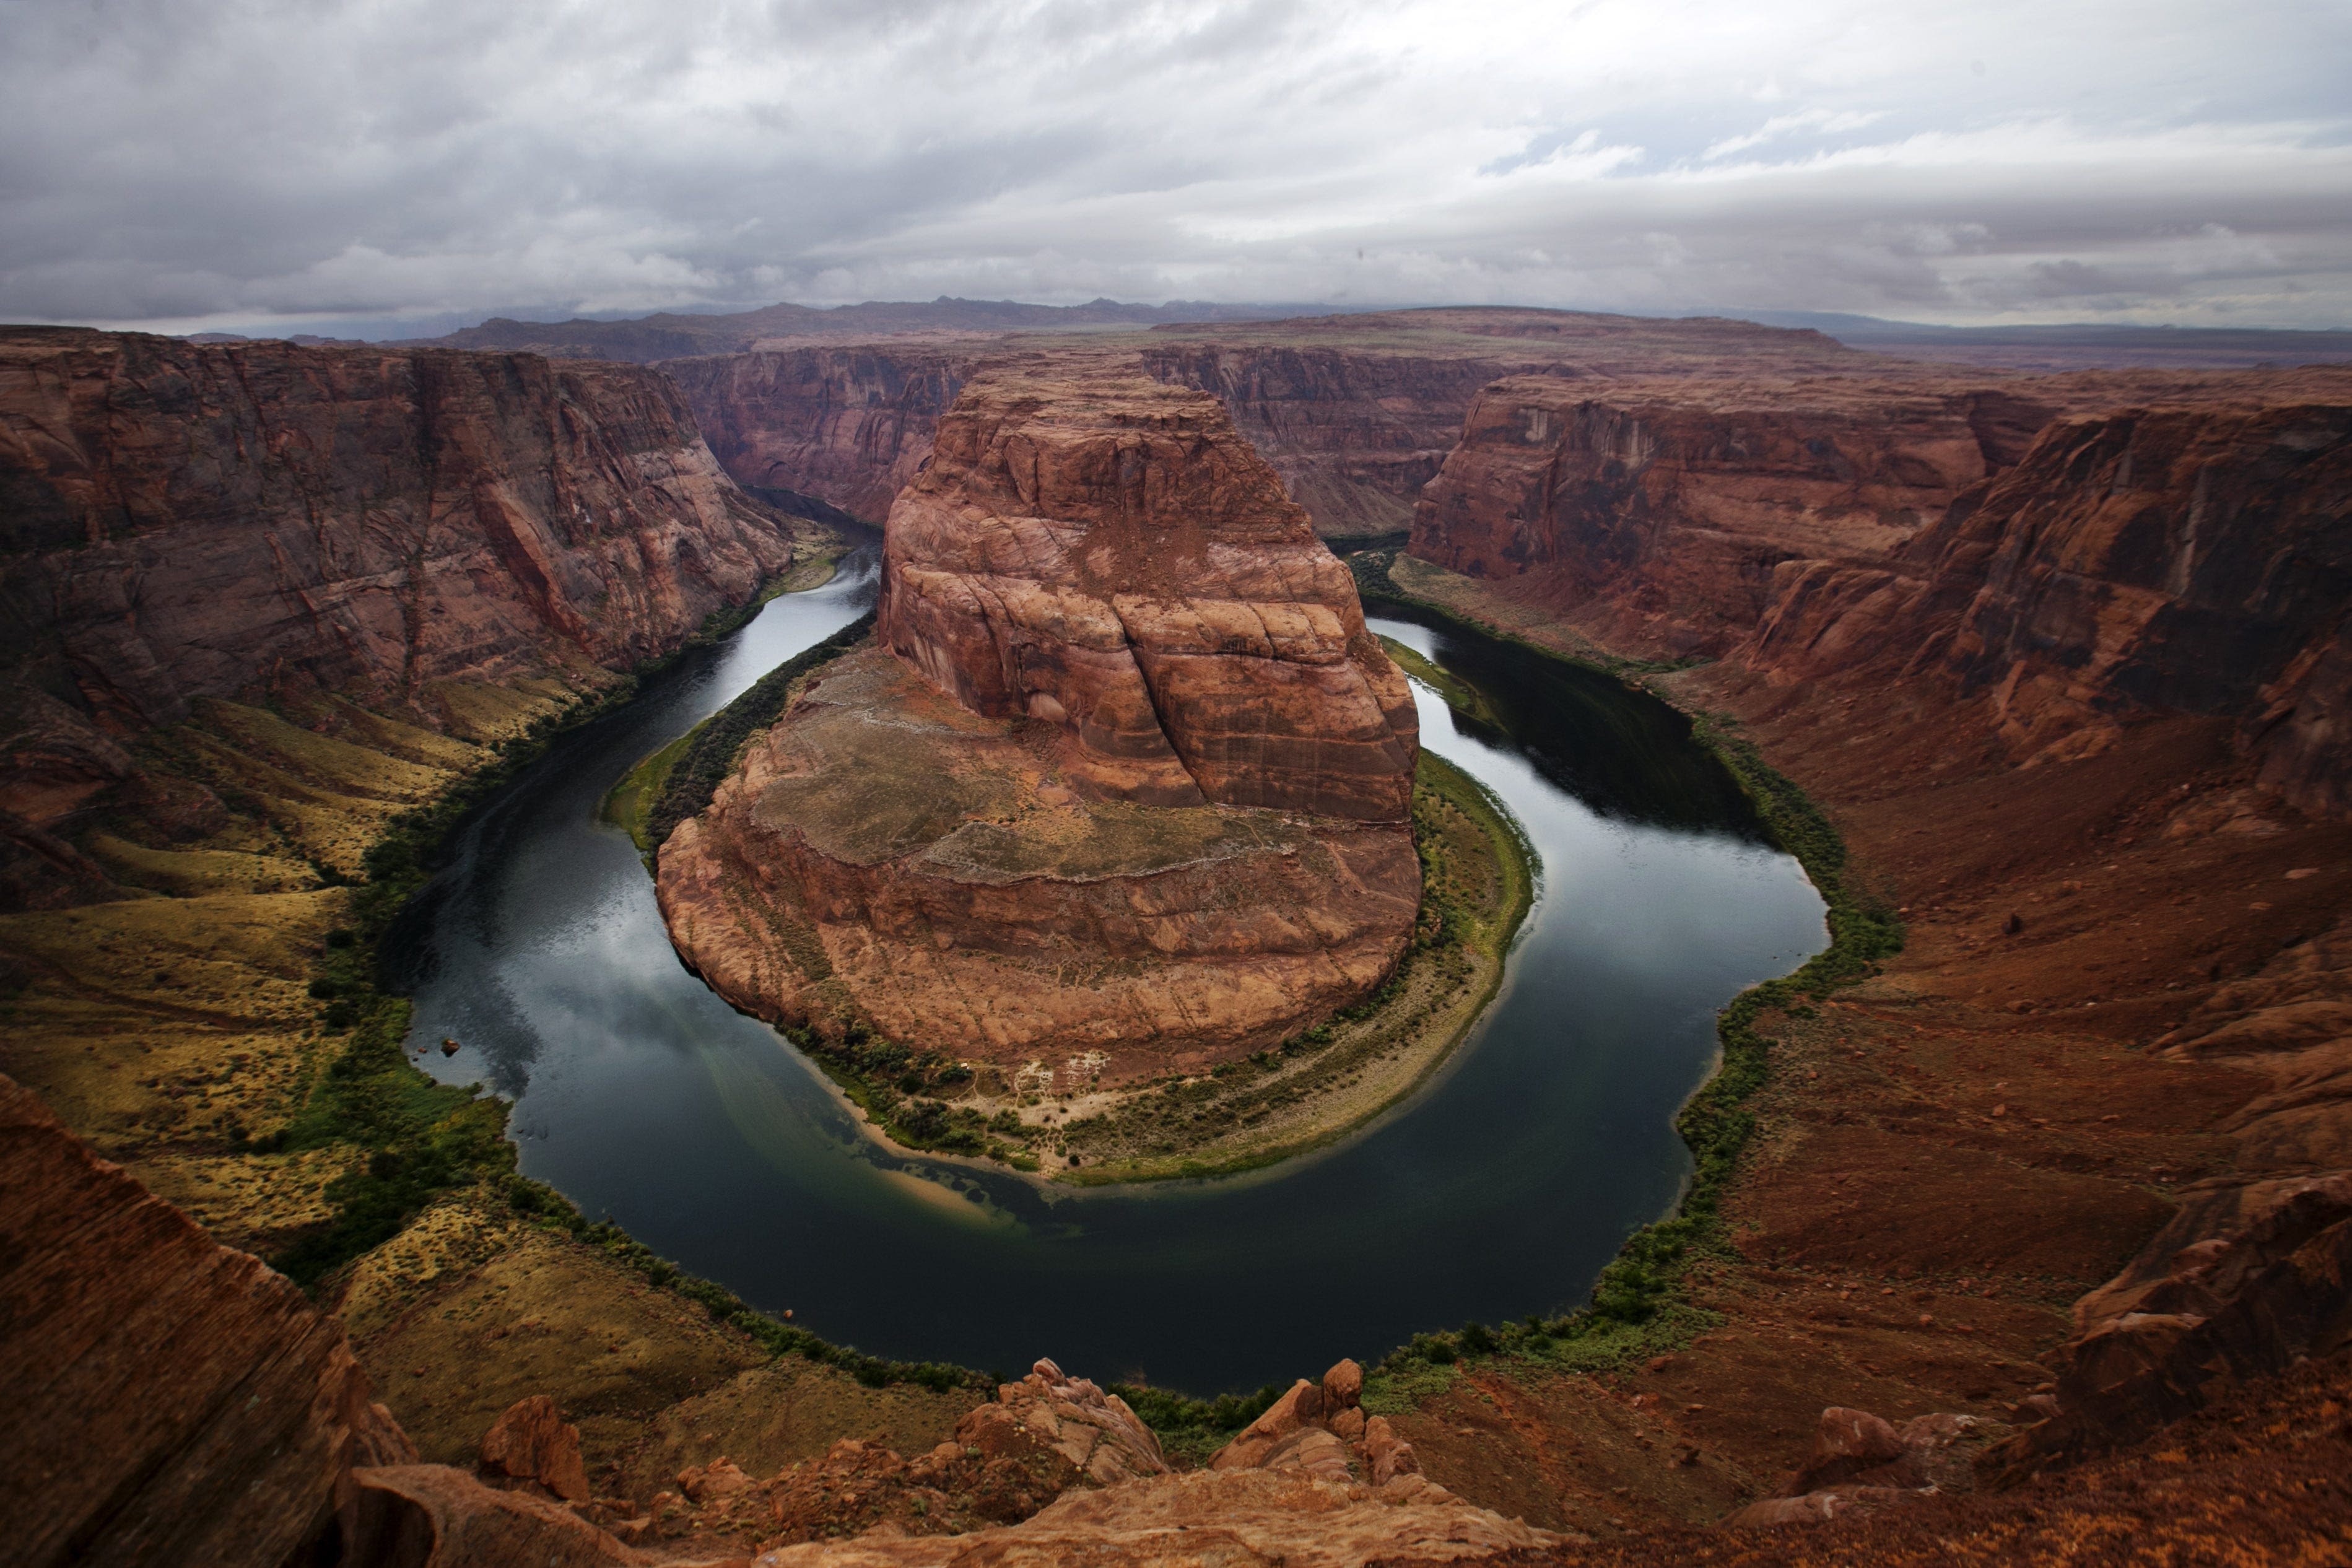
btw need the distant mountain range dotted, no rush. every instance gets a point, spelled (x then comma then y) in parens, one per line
(672, 335)
(2082, 345)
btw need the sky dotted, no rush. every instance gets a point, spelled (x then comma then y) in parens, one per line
(382, 166)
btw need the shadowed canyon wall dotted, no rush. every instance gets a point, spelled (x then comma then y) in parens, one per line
(2068, 562)
(268, 522)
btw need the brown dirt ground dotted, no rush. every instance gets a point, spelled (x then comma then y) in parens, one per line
(1951, 1154)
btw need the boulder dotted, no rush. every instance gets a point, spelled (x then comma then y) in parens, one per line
(1343, 1387)
(1301, 1404)
(531, 1442)
(1386, 1455)
(1845, 1444)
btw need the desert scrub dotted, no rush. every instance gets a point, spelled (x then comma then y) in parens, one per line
(1640, 1304)
(1190, 1430)
(678, 780)
(541, 1205)
(416, 1139)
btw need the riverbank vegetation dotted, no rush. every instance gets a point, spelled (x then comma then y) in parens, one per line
(1640, 1306)
(1304, 1093)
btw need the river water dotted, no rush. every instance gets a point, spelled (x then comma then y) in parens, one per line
(1501, 1189)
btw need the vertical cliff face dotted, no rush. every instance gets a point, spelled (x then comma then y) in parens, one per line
(1111, 558)
(848, 427)
(1354, 436)
(184, 521)
(200, 520)
(2184, 559)
(1659, 512)
(1125, 776)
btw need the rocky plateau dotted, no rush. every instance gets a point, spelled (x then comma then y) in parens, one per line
(1123, 774)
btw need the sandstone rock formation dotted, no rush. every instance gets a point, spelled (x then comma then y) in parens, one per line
(533, 1442)
(2028, 547)
(260, 521)
(2175, 560)
(1659, 510)
(1358, 413)
(1134, 786)
(849, 425)
(1243, 1517)
(1112, 559)
(169, 1399)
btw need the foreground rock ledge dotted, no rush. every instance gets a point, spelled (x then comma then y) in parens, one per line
(1125, 781)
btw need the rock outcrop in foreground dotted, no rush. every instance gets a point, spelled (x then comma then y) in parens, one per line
(1127, 775)
(168, 1399)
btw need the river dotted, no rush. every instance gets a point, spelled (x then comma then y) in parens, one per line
(1501, 1189)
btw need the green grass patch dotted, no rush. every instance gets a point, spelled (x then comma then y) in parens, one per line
(630, 807)
(709, 750)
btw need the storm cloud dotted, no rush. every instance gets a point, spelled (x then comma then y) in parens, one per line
(300, 165)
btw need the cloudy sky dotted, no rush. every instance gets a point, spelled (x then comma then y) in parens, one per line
(290, 164)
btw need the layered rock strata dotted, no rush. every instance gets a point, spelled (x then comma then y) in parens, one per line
(2069, 568)
(1126, 773)
(2184, 559)
(266, 522)
(1659, 514)
(169, 1399)
(849, 426)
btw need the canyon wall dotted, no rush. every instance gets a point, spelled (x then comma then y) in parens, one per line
(1657, 513)
(1354, 436)
(1124, 776)
(848, 427)
(267, 521)
(2184, 559)
(1356, 412)
(2041, 546)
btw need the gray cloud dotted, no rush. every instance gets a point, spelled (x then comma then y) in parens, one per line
(296, 162)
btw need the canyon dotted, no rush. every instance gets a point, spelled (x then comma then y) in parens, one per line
(2059, 656)
(435, 537)
(1123, 778)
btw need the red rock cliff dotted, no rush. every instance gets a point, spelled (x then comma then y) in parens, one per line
(1111, 558)
(1134, 783)
(848, 427)
(1657, 512)
(2181, 559)
(262, 521)
(192, 520)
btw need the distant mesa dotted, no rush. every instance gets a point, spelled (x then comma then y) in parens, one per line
(1123, 774)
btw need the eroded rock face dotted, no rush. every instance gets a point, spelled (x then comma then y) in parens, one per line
(1660, 512)
(533, 1442)
(885, 854)
(1127, 780)
(1111, 557)
(2175, 560)
(849, 425)
(169, 1399)
(211, 519)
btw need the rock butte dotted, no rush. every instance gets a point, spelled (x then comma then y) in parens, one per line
(1125, 773)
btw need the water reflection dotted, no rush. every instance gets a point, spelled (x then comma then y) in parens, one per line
(1501, 1190)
